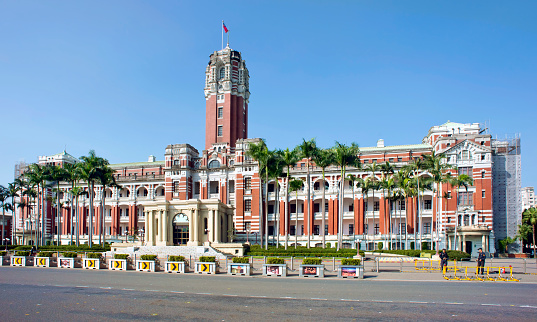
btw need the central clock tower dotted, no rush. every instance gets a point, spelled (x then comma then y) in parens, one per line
(226, 96)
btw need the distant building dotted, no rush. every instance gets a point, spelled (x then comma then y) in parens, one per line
(527, 196)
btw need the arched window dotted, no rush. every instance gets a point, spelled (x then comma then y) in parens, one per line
(222, 73)
(214, 164)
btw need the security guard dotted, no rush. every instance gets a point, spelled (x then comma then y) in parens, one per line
(443, 260)
(481, 261)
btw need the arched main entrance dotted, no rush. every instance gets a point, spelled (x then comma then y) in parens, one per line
(180, 230)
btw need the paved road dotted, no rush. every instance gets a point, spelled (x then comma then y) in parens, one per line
(44, 294)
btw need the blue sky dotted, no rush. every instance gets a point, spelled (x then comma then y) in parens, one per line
(126, 78)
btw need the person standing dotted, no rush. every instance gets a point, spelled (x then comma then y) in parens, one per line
(443, 260)
(480, 261)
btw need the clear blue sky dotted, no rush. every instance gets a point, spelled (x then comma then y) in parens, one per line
(126, 78)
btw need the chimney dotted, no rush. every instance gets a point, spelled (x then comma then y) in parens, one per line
(380, 143)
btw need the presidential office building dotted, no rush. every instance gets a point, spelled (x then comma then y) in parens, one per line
(214, 197)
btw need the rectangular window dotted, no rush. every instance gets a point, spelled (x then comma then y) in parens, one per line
(316, 207)
(482, 174)
(351, 207)
(316, 230)
(197, 188)
(326, 229)
(402, 205)
(482, 157)
(176, 186)
(326, 206)
(247, 183)
(427, 204)
(248, 226)
(483, 194)
(376, 206)
(220, 130)
(399, 159)
(220, 112)
(270, 209)
(231, 186)
(248, 205)
(390, 160)
(271, 230)
(449, 194)
(293, 208)
(466, 170)
(351, 229)
(427, 228)
(376, 229)
(301, 229)
(292, 230)
(465, 199)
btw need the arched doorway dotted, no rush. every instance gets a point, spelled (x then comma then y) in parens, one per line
(180, 230)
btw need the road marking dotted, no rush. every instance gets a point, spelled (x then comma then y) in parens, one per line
(287, 297)
(229, 295)
(152, 290)
(203, 293)
(258, 296)
(128, 289)
(81, 286)
(379, 301)
(106, 288)
(318, 299)
(350, 300)
(529, 306)
(420, 302)
(491, 304)
(177, 292)
(454, 303)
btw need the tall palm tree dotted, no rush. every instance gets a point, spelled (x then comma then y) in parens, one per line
(13, 189)
(352, 181)
(72, 176)
(260, 153)
(365, 186)
(462, 180)
(386, 169)
(530, 217)
(22, 205)
(38, 176)
(344, 156)
(89, 172)
(296, 185)
(289, 159)
(76, 192)
(323, 159)
(275, 169)
(106, 179)
(416, 167)
(31, 194)
(435, 164)
(373, 185)
(58, 174)
(387, 184)
(307, 151)
(4, 196)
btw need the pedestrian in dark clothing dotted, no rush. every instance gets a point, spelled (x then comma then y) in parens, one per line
(480, 261)
(443, 260)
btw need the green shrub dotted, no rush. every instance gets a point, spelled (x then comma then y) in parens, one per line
(244, 260)
(256, 250)
(22, 253)
(3, 253)
(148, 257)
(207, 259)
(457, 255)
(275, 260)
(70, 254)
(23, 247)
(328, 245)
(45, 254)
(121, 256)
(94, 255)
(312, 261)
(175, 258)
(380, 246)
(350, 261)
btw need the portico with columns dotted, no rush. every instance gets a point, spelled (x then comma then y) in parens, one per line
(187, 222)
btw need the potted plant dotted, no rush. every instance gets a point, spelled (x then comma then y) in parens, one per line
(351, 267)
(119, 262)
(92, 261)
(42, 259)
(312, 267)
(146, 263)
(175, 264)
(19, 259)
(206, 264)
(67, 260)
(275, 266)
(3, 254)
(239, 266)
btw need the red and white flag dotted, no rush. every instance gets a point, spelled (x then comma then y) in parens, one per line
(224, 26)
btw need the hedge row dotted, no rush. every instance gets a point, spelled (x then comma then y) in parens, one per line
(207, 259)
(302, 254)
(242, 260)
(176, 258)
(81, 248)
(452, 254)
(345, 252)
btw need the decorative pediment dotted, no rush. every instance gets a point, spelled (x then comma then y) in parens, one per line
(468, 145)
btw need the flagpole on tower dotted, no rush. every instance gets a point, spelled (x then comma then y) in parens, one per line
(222, 34)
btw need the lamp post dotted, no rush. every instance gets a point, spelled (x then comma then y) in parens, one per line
(126, 234)
(142, 233)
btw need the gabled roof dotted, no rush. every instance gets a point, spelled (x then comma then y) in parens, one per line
(482, 148)
(420, 146)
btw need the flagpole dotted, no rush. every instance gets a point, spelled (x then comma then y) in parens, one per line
(222, 27)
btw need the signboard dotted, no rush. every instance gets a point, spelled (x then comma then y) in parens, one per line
(349, 271)
(309, 270)
(274, 270)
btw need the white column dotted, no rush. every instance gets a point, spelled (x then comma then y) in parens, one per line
(146, 224)
(211, 226)
(218, 228)
(196, 226)
(191, 226)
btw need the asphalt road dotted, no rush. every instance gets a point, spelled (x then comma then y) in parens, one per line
(63, 294)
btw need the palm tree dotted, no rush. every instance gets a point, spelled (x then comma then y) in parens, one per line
(386, 169)
(461, 180)
(387, 184)
(4, 195)
(289, 159)
(415, 169)
(323, 159)
(89, 172)
(530, 217)
(373, 185)
(296, 185)
(38, 176)
(57, 174)
(31, 194)
(275, 169)
(365, 186)
(260, 153)
(352, 181)
(13, 189)
(344, 156)
(435, 165)
(106, 179)
(307, 151)
(72, 176)
(77, 192)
